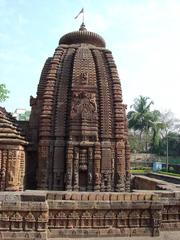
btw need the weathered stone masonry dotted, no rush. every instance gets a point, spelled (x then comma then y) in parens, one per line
(78, 119)
(44, 215)
(12, 154)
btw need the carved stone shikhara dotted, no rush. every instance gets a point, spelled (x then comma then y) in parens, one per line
(79, 119)
(12, 154)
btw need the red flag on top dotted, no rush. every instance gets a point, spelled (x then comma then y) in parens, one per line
(82, 11)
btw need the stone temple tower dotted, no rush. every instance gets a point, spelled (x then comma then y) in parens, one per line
(78, 120)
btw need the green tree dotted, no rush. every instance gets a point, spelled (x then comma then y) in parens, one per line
(157, 128)
(147, 123)
(171, 123)
(4, 93)
(174, 144)
(153, 131)
(135, 144)
(140, 118)
(173, 139)
(170, 128)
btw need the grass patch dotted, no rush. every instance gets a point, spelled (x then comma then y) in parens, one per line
(139, 171)
(169, 173)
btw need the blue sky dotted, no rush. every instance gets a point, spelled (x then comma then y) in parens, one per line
(144, 36)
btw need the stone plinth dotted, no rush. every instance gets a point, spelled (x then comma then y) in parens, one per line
(23, 216)
(48, 215)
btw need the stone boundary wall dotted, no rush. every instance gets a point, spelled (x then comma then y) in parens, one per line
(142, 182)
(23, 216)
(145, 157)
(44, 215)
(166, 178)
(170, 211)
(170, 199)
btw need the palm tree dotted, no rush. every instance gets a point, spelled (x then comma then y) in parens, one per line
(138, 119)
(156, 127)
(141, 119)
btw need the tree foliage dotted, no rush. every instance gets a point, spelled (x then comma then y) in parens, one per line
(4, 93)
(171, 123)
(138, 118)
(145, 123)
(153, 131)
(173, 139)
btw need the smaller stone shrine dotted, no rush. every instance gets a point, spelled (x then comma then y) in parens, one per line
(12, 154)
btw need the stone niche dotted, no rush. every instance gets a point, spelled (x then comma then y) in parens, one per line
(12, 154)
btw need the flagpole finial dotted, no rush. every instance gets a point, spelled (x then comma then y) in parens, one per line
(82, 27)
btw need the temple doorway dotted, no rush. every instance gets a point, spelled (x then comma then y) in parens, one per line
(83, 178)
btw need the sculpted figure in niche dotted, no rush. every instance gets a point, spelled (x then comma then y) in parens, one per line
(90, 153)
(12, 174)
(89, 178)
(76, 153)
(97, 178)
(2, 178)
(93, 102)
(84, 78)
(75, 104)
(84, 105)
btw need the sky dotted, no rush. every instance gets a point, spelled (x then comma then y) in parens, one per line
(143, 35)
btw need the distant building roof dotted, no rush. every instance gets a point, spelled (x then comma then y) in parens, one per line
(21, 114)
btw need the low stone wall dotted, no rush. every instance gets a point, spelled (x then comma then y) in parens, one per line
(143, 157)
(144, 183)
(170, 211)
(170, 179)
(103, 214)
(141, 182)
(170, 199)
(23, 216)
(44, 215)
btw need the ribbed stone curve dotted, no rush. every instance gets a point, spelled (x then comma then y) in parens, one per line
(9, 131)
(83, 37)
